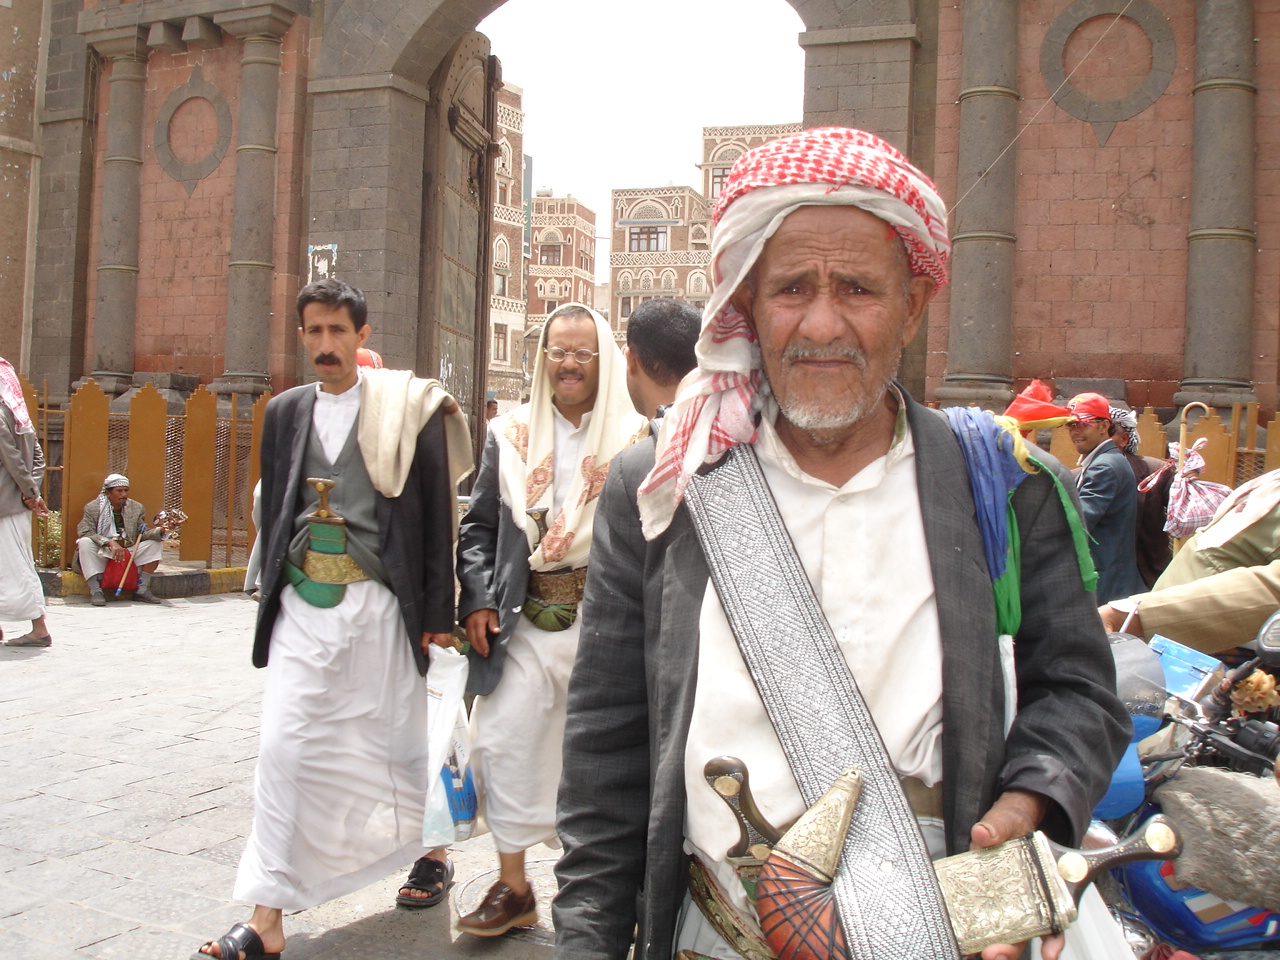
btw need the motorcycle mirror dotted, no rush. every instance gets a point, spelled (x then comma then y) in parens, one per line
(1269, 641)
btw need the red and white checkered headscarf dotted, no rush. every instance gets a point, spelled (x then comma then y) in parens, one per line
(718, 402)
(11, 397)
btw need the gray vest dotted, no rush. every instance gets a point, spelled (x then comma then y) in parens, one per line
(353, 498)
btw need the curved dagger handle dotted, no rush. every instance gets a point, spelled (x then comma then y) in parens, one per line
(1157, 840)
(728, 777)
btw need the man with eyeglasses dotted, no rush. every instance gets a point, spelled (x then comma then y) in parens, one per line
(522, 558)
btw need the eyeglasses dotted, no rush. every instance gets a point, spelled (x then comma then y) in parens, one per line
(556, 354)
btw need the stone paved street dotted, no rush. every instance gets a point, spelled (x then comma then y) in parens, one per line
(127, 752)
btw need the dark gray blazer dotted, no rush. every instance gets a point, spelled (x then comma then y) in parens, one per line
(1109, 506)
(416, 528)
(622, 801)
(493, 567)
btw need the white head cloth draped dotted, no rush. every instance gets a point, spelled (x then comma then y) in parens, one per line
(1127, 420)
(526, 464)
(11, 397)
(717, 403)
(106, 518)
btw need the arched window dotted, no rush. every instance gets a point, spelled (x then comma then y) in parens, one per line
(501, 252)
(550, 235)
(649, 210)
(646, 280)
(624, 280)
(697, 282)
(668, 279)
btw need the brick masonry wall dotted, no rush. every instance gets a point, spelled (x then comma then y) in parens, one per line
(19, 49)
(184, 240)
(1101, 261)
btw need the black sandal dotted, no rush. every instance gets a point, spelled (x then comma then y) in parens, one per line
(241, 938)
(432, 877)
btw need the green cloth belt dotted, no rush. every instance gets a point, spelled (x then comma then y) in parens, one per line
(552, 617)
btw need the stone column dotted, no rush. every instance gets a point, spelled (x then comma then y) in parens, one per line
(980, 326)
(249, 274)
(116, 309)
(862, 76)
(1222, 241)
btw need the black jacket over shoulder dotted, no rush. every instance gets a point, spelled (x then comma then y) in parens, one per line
(622, 796)
(416, 528)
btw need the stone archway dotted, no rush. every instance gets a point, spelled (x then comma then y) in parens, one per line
(870, 63)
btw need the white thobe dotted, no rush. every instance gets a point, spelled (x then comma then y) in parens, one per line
(333, 416)
(93, 558)
(863, 548)
(342, 760)
(21, 596)
(518, 730)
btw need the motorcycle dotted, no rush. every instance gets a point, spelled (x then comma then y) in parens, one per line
(1209, 770)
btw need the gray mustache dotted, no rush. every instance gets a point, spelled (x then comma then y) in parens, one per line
(804, 351)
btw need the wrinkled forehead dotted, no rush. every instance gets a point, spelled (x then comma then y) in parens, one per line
(844, 237)
(572, 332)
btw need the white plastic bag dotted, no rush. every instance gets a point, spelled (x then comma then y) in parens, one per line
(450, 812)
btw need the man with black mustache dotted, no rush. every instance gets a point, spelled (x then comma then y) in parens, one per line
(358, 479)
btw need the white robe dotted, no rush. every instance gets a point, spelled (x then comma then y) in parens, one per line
(21, 597)
(342, 762)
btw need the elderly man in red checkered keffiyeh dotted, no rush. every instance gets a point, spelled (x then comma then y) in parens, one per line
(828, 247)
(830, 170)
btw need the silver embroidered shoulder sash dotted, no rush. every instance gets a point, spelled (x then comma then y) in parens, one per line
(887, 893)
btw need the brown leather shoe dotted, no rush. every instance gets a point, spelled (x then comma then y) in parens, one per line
(500, 910)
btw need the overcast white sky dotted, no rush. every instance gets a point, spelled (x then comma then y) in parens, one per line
(611, 101)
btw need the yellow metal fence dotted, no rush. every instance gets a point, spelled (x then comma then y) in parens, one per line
(1233, 455)
(203, 461)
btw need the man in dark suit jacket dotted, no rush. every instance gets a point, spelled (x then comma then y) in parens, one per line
(1108, 498)
(832, 298)
(342, 769)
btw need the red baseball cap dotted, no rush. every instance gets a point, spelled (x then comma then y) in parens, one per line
(1088, 406)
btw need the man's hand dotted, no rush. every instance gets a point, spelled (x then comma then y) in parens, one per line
(117, 551)
(1015, 814)
(1114, 619)
(480, 624)
(439, 639)
(36, 505)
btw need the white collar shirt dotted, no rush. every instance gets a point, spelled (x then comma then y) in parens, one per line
(863, 548)
(333, 416)
(568, 455)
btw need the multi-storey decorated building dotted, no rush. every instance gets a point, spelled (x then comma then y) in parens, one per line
(507, 306)
(662, 235)
(562, 264)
